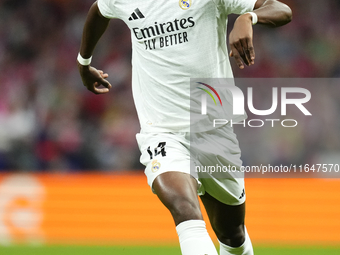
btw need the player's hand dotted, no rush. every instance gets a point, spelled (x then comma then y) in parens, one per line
(241, 41)
(93, 79)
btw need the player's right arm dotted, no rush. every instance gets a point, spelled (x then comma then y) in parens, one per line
(95, 26)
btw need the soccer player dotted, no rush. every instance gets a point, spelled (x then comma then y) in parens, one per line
(173, 41)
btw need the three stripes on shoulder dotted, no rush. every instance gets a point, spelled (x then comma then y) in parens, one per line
(137, 14)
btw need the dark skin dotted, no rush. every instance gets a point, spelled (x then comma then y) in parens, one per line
(271, 13)
(95, 25)
(177, 191)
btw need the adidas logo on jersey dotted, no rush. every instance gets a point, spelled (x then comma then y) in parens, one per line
(137, 14)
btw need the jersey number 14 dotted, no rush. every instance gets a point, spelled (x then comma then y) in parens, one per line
(160, 149)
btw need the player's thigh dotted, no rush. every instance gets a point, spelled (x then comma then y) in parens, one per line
(227, 221)
(178, 192)
(163, 152)
(166, 157)
(173, 185)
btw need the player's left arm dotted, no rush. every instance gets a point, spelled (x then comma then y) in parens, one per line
(269, 12)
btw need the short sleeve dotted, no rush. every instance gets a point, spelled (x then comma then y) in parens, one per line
(106, 8)
(239, 6)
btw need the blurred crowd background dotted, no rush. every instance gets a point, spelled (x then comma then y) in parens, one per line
(50, 122)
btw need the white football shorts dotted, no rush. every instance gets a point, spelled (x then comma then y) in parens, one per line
(207, 156)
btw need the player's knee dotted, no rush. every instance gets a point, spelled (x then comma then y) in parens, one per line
(233, 236)
(184, 209)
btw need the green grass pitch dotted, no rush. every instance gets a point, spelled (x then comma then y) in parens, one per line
(143, 250)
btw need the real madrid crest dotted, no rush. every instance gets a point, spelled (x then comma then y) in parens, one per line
(185, 4)
(155, 166)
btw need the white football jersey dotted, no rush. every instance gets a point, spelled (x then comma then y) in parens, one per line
(173, 41)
